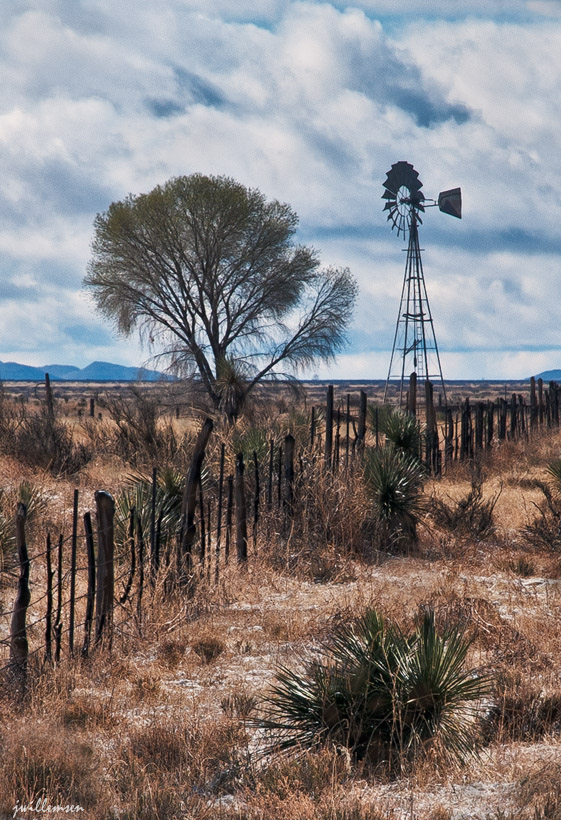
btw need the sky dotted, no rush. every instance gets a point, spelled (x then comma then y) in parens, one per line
(311, 102)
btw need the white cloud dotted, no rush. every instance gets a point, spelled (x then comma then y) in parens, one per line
(312, 103)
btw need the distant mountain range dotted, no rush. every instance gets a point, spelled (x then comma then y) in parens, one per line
(94, 372)
(550, 375)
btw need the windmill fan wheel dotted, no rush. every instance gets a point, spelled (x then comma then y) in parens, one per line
(403, 195)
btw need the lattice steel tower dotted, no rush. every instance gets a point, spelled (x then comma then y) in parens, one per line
(414, 347)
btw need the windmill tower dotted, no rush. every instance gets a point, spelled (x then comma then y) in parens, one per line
(414, 347)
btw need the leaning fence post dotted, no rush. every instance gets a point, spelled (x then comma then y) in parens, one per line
(19, 647)
(132, 568)
(188, 528)
(241, 511)
(88, 530)
(105, 511)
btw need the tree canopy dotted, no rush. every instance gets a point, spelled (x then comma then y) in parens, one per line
(209, 269)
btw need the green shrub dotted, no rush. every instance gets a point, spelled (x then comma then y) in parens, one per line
(401, 430)
(394, 482)
(384, 695)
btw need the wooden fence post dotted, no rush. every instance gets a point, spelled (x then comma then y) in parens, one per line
(279, 478)
(449, 437)
(229, 516)
(154, 545)
(58, 620)
(289, 443)
(479, 426)
(431, 430)
(329, 427)
(188, 529)
(466, 432)
(140, 588)
(202, 526)
(361, 432)
(49, 614)
(312, 427)
(132, 545)
(73, 548)
(347, 431)
(533, 404)
(241, 511)
(271, 471)
(256, 498)
(105, 511)
(219, 513)
(88, 530)
(513, 416)
(490, 419)
(412, 403)
(19, 647)
(49, 399)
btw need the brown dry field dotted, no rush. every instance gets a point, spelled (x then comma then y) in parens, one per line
(155, 729)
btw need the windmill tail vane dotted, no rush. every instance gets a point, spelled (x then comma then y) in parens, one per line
(415, 349)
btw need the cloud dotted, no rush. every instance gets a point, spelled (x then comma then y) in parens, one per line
(312, 103)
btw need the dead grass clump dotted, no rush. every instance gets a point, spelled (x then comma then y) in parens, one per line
(171, 769)
(544, 532)
(171, 651)
(208, 648)
(539, 794)
(238, 704)
(81, 712)
(45, 442)
(471, 515)
(521, 712)
(310, 774)
(146, 686)
(41, 760)
(163, 747)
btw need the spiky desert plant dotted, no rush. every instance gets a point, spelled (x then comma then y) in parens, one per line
(554, 474)
(394, 484)
(384, 695)
(138, 495)
(401, 430)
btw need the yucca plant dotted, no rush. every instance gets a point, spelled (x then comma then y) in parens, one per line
(554, 473)
(545, 529)
(401, 430)
(384, 695)
(138, 495)
(394, 482)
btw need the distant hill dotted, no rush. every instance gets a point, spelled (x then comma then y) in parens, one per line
(550, 375)
(12, 371)
(94, 372)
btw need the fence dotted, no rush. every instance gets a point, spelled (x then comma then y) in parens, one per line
(218, 520)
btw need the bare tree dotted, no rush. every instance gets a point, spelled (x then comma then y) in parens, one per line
(209, 269)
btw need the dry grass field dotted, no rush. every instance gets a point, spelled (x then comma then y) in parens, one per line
(164, 724)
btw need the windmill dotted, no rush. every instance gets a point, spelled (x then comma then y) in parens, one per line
(414, 346)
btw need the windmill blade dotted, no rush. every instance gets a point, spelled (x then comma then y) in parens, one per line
(450, 202)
